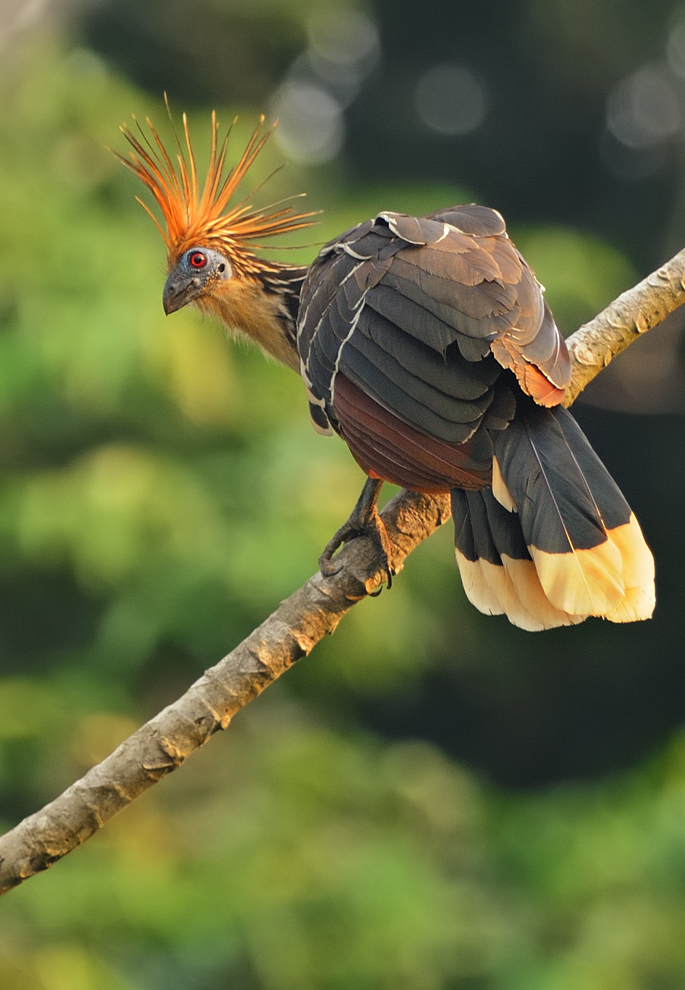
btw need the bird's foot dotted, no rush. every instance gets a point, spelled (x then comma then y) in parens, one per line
(364, 521)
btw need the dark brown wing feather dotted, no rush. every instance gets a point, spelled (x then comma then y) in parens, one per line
(420, 314)
(418, 336)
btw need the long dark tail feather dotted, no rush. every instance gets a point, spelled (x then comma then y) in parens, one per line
(553, 541)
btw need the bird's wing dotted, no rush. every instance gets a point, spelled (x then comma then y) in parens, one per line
(420, 315)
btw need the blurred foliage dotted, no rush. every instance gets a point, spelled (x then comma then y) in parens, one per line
(201, 50)
(160, 492)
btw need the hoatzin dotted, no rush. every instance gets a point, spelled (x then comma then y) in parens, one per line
(427, 345)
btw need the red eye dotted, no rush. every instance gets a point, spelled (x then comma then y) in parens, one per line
(197, 259)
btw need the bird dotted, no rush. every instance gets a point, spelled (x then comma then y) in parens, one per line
(427, 345)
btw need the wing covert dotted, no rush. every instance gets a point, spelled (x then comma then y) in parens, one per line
(422, 314)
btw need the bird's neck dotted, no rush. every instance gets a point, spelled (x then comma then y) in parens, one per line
(263, 308)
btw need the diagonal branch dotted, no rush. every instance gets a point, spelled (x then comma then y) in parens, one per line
(636, 311)
(294, 629)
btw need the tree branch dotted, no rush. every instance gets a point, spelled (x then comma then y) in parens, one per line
(294, 629)
(636, 311)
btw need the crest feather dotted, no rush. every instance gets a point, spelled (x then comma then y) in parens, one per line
(195, 217)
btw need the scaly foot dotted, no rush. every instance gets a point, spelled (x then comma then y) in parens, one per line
(364, 521)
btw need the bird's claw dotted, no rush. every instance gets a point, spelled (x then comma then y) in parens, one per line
(375, 531)
(327, 566)
(364, 521)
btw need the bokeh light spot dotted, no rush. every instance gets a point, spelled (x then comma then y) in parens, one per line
(450, 100)
(643, 109)
(311, 127)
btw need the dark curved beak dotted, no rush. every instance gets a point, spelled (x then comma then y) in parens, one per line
(179, 292)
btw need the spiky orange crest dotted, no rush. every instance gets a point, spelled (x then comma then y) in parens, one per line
(197, 218)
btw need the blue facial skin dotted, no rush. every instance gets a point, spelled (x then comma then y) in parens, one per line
(197, 268)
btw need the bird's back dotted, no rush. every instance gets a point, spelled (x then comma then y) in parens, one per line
(426, 343)
(407, 324)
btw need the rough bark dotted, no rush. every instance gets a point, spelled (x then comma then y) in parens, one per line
(294, 629)
(598, 342)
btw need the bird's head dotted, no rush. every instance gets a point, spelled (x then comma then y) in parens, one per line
(209, 238)
(195, 274)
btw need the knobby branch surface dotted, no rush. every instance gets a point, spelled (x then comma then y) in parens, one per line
(636, 311)
(294, 629)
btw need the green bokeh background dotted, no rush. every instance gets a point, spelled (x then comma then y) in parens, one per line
(433, 800)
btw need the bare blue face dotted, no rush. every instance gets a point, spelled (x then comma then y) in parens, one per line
(196, 270)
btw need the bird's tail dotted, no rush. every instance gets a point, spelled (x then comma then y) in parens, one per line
(553, 541)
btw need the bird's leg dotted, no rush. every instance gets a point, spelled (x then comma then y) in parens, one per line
(364, 521)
